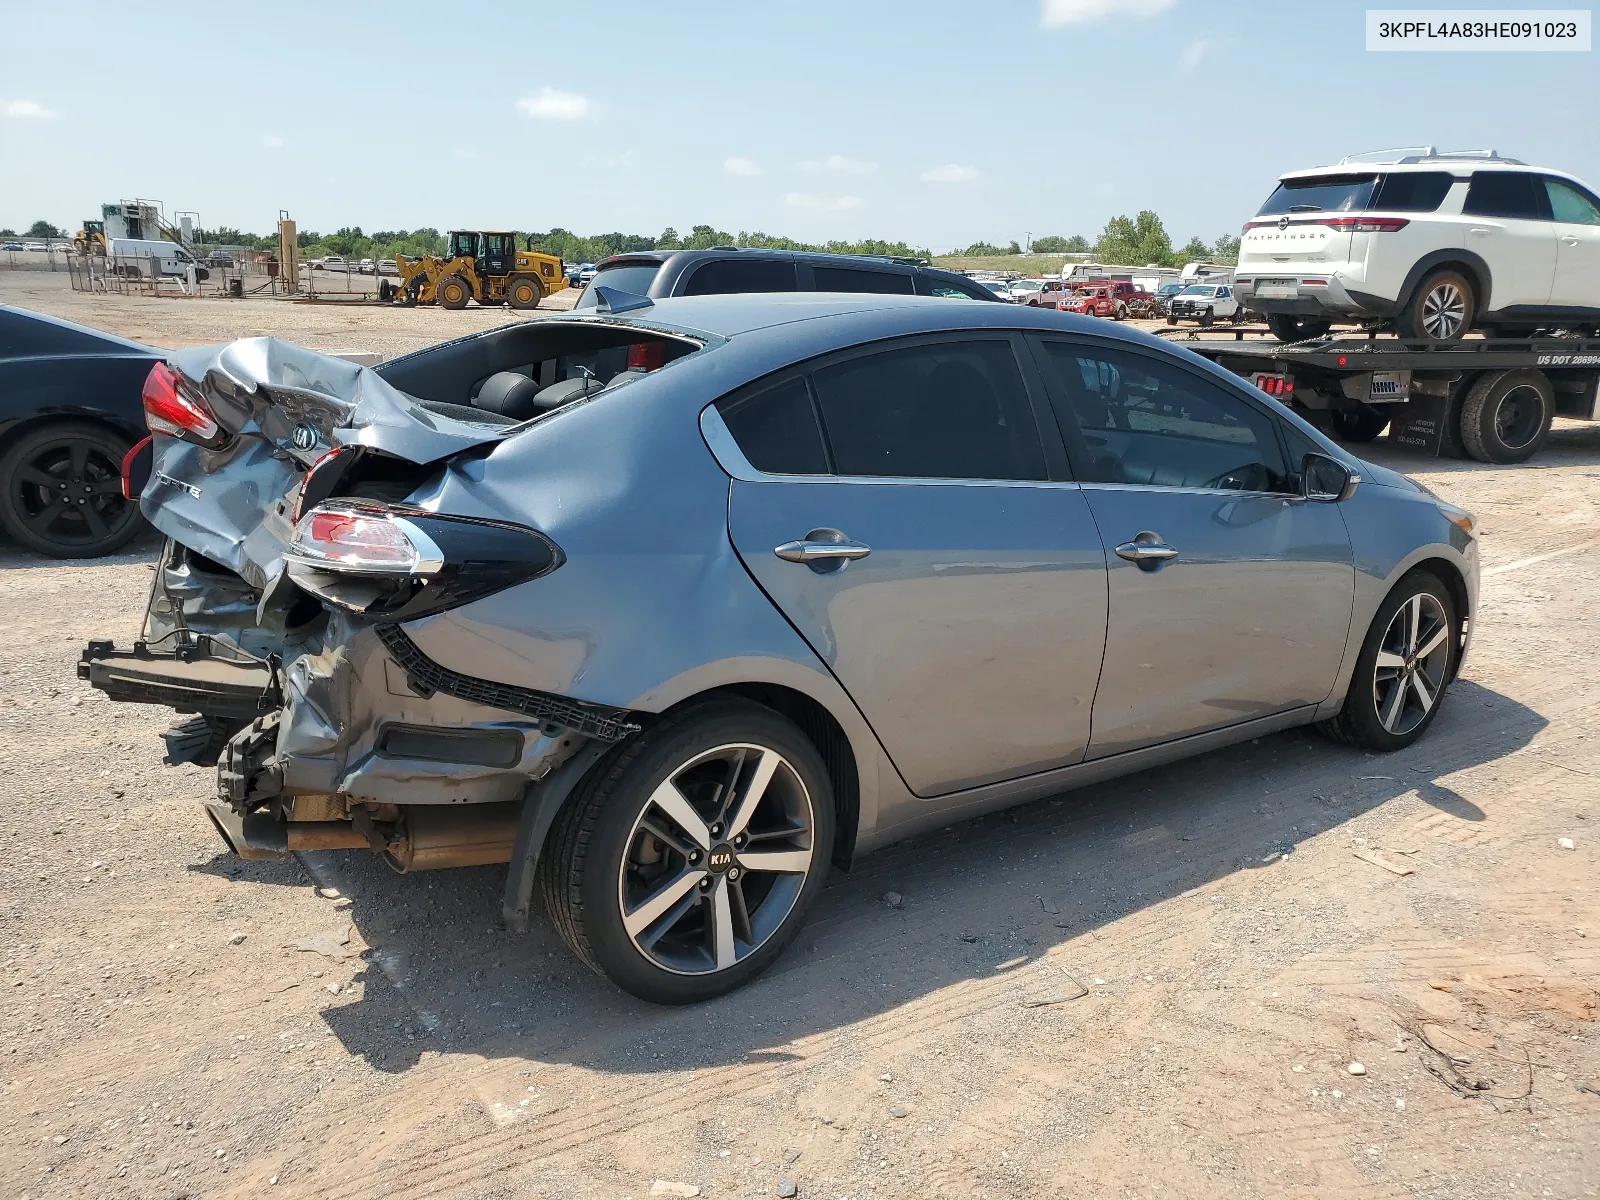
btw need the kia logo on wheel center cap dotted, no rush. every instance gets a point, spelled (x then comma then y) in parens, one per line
(720, 858)
(305, 436)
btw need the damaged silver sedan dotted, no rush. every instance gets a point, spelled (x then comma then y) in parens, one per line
(672, 606)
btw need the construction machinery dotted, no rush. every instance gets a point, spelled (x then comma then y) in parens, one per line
(91, 239)
(481, 265)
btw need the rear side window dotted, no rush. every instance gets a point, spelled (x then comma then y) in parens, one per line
(952, 289)
(726, 276)
(1569, 205)
(954, 410)
(777, 430)
(1322, 193)
(849, 279)
(625, 277)
(1506, 194)
(1413, 191)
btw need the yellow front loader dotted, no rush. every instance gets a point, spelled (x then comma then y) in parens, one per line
(486, 267)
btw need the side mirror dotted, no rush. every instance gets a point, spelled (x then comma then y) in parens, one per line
(1327, 479)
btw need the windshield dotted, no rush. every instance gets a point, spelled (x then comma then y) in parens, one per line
(1198, 290)
(1169, 289)
(994, 285)
(625, 277)
(1320, 193)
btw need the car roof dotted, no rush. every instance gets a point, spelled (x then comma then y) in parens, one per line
(19, 325)
(1459, 167)
(658, 257)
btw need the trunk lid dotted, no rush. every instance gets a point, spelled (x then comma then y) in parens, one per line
(285, 406)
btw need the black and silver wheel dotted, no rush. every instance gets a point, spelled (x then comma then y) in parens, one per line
(687, 860)
(1442, 309)
(1506, 416)
(1407, 660)
(61, 491)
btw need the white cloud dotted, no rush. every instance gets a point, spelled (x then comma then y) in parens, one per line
(950, 173)
(273, 141)
(552, 104)
(1054, 13)
(823, 203)
(740, 166)
(838, 162)
(28, 110)
(1193, 53)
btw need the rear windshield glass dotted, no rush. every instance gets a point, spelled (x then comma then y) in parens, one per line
(1413, 191)
(1321, 193)
(625, 277)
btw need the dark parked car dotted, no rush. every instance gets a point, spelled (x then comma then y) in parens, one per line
(788, 578)
(70, 410)
(661, 273)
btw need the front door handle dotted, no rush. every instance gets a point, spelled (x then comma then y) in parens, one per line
(1481, 232)
(822, 547)
(1147, 550)
(1568, 240)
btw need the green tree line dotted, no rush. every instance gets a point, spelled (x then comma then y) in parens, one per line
(1138, 241)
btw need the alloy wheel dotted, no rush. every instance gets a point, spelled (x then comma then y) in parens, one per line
(1411, 665)
(68, 492)
(717, 859)
(1444, 311)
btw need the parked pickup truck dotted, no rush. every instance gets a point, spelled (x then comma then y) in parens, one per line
(1095, 302)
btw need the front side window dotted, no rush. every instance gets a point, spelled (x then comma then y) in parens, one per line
(1514, 194)
(1150, 423)
(849, 279)
(1569, 205)
(952, 410)
(732, 276)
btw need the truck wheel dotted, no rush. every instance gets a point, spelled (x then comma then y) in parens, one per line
(1406, 662)
(1440, 310)
(61, 491)
(524, 291)
(1359, 424)
(1206, 318)
(453, 292)
(687, 859)
(1506, 416)
(1287, 327)
(1171, 320)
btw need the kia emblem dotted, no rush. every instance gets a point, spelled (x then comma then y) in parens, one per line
(721, 858)
(305, 436)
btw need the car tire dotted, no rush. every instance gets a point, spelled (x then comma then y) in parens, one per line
(523, 292)
(1441, 309)
(1206, 318)
(1287, 327)
(1506, 416)
(1120, 312)
(1171, 320)
(78, 461)
(717, 922)
(452, 292)
(1362, 423)
(1410, 619)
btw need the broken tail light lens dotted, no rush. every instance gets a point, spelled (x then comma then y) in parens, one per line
(397, 563)
(173, 408)
(647, 356)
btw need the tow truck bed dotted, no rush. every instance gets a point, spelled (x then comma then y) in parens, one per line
(1357, 384)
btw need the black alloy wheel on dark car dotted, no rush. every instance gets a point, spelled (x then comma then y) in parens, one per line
(61, 491)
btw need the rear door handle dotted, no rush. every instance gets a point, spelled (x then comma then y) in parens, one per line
(1568, 240)
(1481, 232)
(1147, 550)
(821, 546)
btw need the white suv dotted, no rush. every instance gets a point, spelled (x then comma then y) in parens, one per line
(1435, 244)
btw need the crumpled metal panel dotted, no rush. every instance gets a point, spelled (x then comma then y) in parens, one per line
(232, 504)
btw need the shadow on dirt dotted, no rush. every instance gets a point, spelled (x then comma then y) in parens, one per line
(980, 898)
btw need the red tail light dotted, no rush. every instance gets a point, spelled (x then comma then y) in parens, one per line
(174, 410)
(131, 490)
(647, 356)
(1365, 224)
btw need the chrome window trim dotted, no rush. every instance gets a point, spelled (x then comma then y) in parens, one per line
(1192, 491)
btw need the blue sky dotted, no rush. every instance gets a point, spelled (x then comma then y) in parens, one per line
(940, 122)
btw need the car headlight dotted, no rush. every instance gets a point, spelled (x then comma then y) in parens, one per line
(1459, 517)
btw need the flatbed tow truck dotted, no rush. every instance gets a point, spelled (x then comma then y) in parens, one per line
(1491, 399)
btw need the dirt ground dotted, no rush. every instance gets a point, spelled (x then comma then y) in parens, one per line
(1153, 987)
